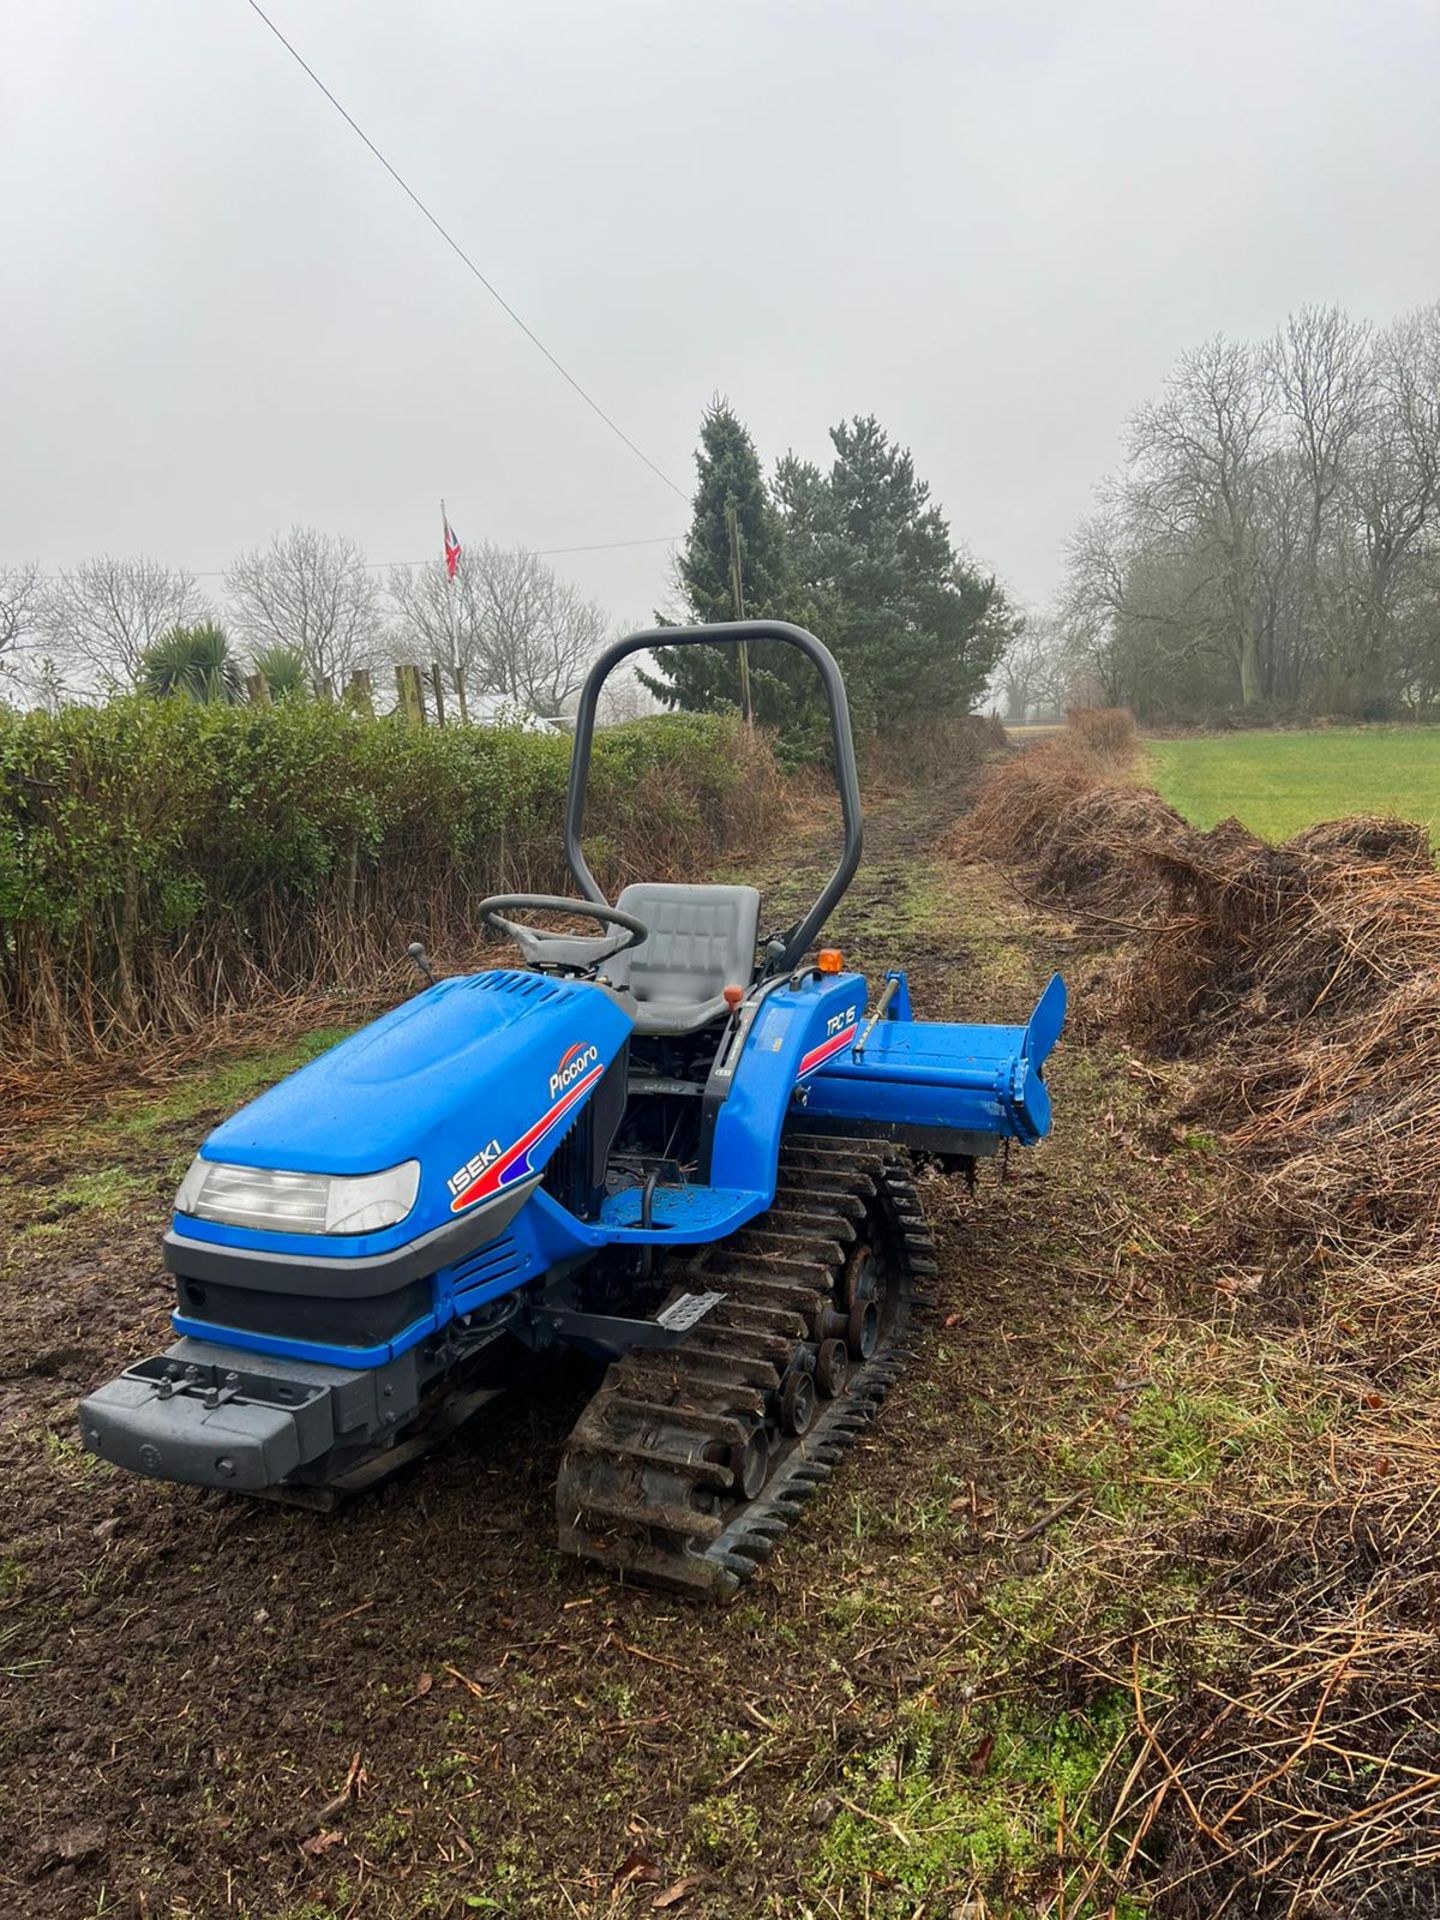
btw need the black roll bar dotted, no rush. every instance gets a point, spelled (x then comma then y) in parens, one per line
(796, 939)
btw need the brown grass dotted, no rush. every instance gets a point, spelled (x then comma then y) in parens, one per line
(930, 753)
(1107, 734)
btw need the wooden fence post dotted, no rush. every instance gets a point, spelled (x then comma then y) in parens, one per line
(437, 680)
(257, 690)
(360, 692)
(411, 689)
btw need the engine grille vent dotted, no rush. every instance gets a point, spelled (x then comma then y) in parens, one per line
(496, 1260)
(527, 986)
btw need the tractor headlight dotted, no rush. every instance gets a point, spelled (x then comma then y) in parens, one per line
(298, 1202)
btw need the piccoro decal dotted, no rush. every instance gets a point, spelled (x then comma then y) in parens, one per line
(494, 1169)
(573, 1063)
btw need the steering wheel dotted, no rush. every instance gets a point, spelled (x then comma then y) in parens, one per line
(572, 952)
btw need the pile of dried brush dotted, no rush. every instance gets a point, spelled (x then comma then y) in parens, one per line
(1306, 976)
(1304, 982)
(1306, 1778)
(1070, 810)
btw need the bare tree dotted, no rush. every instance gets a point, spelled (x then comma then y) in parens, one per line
(311, 592)
(435, 617)
(435, 621)
(518, 630)
(22, 598)
(1324, 374)
(1276, 533)
(1416, 634)
(536, 634)
(1199, 451)
(625, 696)
(98, 619)
(1392, 491)
(1034, 670)
(1324, 367)
(1101, 610)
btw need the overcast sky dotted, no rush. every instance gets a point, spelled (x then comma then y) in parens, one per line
(993, 226)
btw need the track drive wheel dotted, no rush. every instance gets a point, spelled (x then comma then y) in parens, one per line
(686, 1468)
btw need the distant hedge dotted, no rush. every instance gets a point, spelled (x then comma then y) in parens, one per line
(162, 861)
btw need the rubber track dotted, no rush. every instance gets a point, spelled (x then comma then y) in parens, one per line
(644, 1486)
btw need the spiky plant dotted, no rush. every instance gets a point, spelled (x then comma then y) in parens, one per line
(193, 661)
(283, 670)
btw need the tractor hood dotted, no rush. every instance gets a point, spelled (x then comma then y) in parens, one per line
(477, 1078)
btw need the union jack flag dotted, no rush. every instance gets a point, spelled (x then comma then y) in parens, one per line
(452, 546)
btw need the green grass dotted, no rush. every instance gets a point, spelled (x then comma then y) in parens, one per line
(1278, 783)
(932, 1811)
(227, 1084)
(142, 1144)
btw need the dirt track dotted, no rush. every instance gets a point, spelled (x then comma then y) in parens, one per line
(417, 1707)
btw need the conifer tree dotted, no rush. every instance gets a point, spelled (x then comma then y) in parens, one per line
(701, 679)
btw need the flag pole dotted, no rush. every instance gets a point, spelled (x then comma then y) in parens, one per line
(457, 672)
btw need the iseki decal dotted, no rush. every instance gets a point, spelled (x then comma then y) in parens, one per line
(839, 1032)
(473, 1168)
(494, 1169)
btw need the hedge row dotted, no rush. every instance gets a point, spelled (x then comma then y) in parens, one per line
(161, 862)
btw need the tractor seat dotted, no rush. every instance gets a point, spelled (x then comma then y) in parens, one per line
(701, 940)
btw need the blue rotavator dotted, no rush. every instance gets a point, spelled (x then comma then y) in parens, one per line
(677, 1143)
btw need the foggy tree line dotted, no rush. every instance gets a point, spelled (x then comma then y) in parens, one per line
(307, 612)
(1272, 542)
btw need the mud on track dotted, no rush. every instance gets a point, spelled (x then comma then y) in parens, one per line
(416, 1707)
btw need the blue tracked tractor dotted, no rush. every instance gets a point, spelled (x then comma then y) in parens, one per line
(675, 1144)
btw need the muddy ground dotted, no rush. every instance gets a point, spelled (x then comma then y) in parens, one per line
(417, 1707)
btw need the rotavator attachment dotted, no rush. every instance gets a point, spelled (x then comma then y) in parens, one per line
(673, 1141)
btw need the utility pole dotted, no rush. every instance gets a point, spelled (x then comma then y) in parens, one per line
(737, 594)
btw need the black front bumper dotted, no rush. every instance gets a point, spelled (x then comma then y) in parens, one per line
(214, 1416)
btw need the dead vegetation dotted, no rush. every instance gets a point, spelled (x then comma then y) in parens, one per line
(1299, 986)
(931, 754)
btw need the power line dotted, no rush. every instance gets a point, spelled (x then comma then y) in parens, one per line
(457, 249)
(604, 546)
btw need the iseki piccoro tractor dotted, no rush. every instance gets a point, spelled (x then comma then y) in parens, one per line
(676, 1144)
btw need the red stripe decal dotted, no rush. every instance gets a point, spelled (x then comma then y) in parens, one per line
(818, 1055)
(493, 1178)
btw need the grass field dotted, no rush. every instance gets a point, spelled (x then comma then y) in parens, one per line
(1277, 783)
